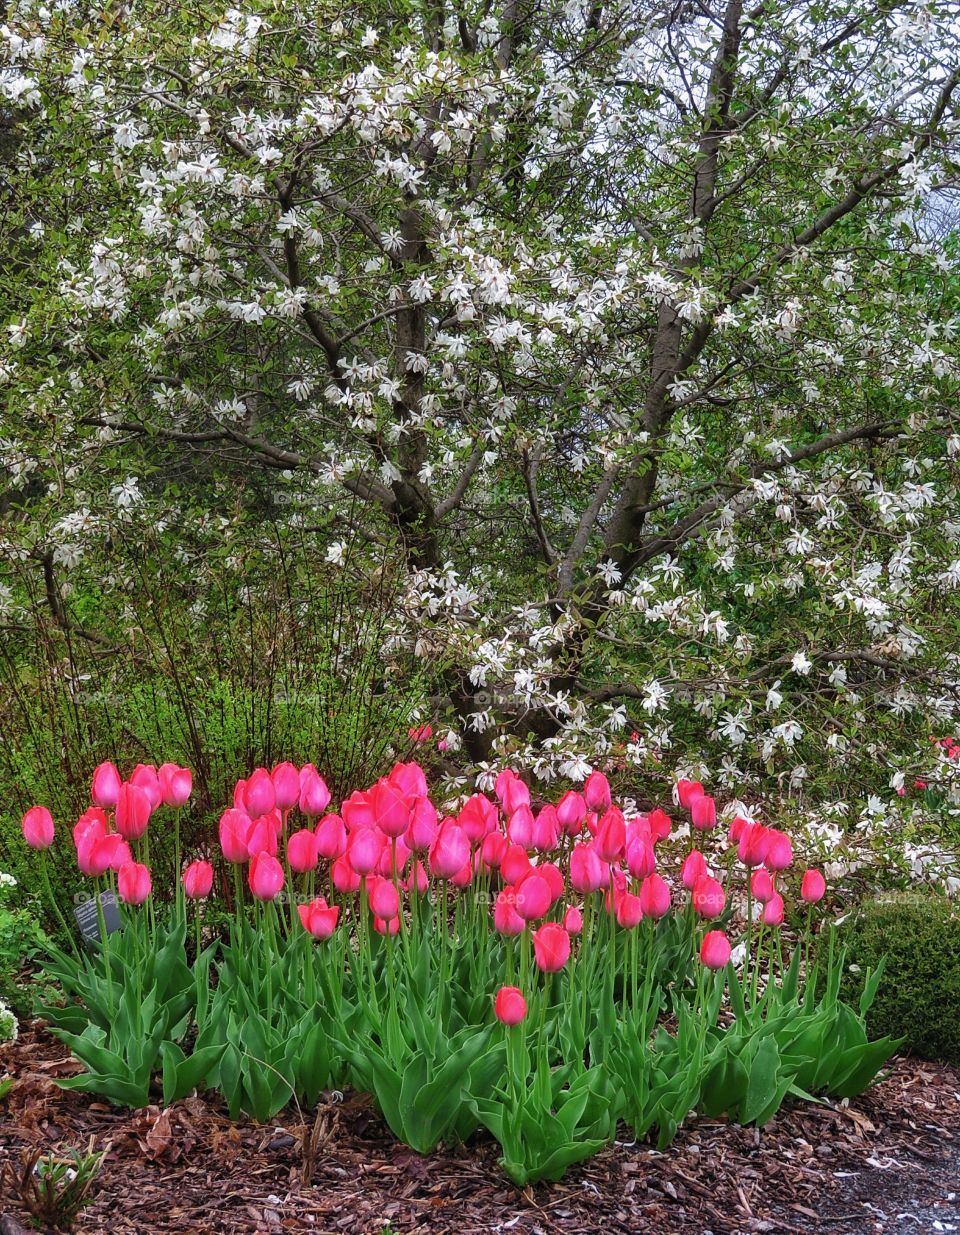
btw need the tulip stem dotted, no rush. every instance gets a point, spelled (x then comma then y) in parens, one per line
(55, 905)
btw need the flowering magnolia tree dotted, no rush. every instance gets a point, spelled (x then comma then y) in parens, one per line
(627, 328)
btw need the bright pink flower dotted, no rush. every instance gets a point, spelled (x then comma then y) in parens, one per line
(176, 784)
(259, 795)
(572, 920)
(314, 795)
(554, 877)
(659, 824)
(357, 811)
(106, 785)
(302, 851)
(703, 812)
(265, 876)
(133, 883)
(420, 733)
(773, 911)
(391, 808)
(389, 927)
(417, 878)
(343, 876)
(596, 792)
(262, 837)
(478, 817)
(464, 876)
(571, 812)
(694, 868)
(409, 778)
(145, 776)
(319, 918)
(511, 791)
(38, 827)
(779, 853)
(235, 827)
(813, 886)
(611, 835)
(708, 897)
(198, 880)
(546, 830)
(384, 899)
(654, 897)
(715, 950)
(752, 847)
(761, 885)
(534, 897)
(735, 831)
(520, 827)
(551, 947)
(506, 920)
(331, 837)
(239, 789)
(133, 811)
(687, 790)
(285, 779)
(493, 849)
(629, 910)
(515, 863)
(641, 860)
(586, 869)
(364, 847)
(422, 830)
(509, 1007)
(450, 852)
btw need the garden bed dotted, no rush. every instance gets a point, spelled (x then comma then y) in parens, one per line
(889, 1161)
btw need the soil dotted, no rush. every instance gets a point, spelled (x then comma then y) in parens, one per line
(888, 1161)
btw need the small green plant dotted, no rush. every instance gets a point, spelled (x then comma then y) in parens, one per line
(22, 942)
(919, 934)
(54, 1187)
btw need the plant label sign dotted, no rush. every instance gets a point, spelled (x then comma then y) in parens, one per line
(89, 920)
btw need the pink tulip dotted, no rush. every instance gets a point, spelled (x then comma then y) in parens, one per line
(262, 837)
(344, 878)
(520, 827)
(752, 847)
(551, 947)
(364, 847)
(389, 927)
(572, 920)
(450, 851)
(571, 812)
(779, 851)
(703, 812)
(629, 910)
(285, 779)
(586, 870)
(494, 849)
(546, 830)
(144, 775)
(596, 792)
(319, 918)
(478, 817)
(133, 811)
(694, 868)
(384, 899)
(708, 897)
(422, 830)
(198, 880)
(687, 790)
(417, 878)
(391, 808)
(761, 885)
(357, 811)
(259, 795)
(511, 791)
(106, 785)
(464, 876)
(515, 863)
(302, 851)
(331, 837)
(533, 897)
(641, 861)
(735, 831)
(773, 911)
(509, 1007)
(611, 835)
(38, 827)
(133, 883)
(314, 795)
(420, 733)
(715, 950)
(554, 877)
(235, 827)
(409, 778)
(176, 784)
(265, 877)
(813, 886)
(658, 821)
(506, 920)
(654, 897)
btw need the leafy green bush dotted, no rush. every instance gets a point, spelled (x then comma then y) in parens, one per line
(21, 942)
(919, 933)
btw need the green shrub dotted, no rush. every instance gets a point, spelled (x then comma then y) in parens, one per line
(21, 941)
(919, 933)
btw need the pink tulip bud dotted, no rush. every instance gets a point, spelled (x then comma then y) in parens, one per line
(571, 812)
(546, 830)
(302, 851)
(708, 897)
(331, 837)
(133, 883)
(658, 821)
(761, 885)
(314, 794)
(235, 826)
(357, 811)
(586, 870)
(420, 733)
(629, 910)
(533, 897)
(450, 851)
(735, 831)
(144, 775)
(693, 870)
(384, 899)
(409, 778)
(506, 920)
(364, 847)
(572, 920)
(285, 779)
(319, 918)
(687, 790)
(779, 851)
(641, 861)
(509, 1007)
(344, 878)
(198, 880)
(596, 792)
(478, 817)
(391, 808)
(133, 811)
(38, 827)
(494, 849)
(511, 791)
(259, 795)
(423, 826)
(551, 947)
(813, 886)
(654, 897)
(106, 785)
(265, 876)
(752, 847)
(520, 827)
(773, 911)
(703, 812)
(611, 836)
(176, 784)
(514, 864)
(715, 950)
(262, 837)
(417, 878)
(389, 927)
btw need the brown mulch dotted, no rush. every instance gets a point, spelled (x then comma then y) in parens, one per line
(888, 1161)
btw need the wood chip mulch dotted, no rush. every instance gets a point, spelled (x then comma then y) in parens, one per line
(888, 1161)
